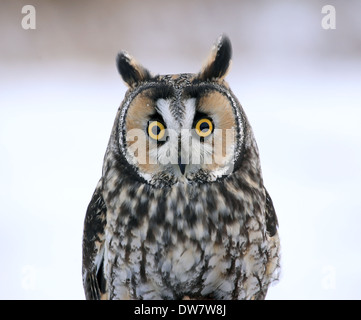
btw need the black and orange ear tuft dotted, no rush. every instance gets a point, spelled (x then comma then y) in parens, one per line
(130, 70)
(219, 60)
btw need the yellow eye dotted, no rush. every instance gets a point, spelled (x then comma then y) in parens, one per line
(204, 127)
(156, 130)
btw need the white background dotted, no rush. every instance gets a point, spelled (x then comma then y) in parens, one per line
(299, 84)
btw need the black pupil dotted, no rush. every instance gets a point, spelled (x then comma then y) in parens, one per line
(156, 130)
(204, 126)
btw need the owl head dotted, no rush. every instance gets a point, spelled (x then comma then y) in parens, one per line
(180, 128)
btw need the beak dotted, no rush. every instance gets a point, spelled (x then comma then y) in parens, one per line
(181, 165)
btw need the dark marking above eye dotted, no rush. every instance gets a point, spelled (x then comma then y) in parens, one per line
(162, 91)
(200, 115)
(197, 91)
(156, 117)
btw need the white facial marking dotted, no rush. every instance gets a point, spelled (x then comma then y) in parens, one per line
(163, 107)
(190, 110)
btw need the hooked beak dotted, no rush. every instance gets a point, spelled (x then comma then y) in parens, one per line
(181, 165)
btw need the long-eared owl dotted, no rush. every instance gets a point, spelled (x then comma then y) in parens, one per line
(180, 211)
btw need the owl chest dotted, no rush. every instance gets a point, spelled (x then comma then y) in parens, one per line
(173, 247)
(182, 266)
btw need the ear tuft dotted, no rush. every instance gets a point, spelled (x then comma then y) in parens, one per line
(219, 60)
(130, 70)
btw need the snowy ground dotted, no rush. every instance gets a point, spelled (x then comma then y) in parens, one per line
(54, 131)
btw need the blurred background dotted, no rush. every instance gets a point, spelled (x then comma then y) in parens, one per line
(300, 85)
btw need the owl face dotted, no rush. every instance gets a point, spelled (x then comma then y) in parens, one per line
(180, 128)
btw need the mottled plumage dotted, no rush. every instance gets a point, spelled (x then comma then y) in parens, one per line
(185, 220)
